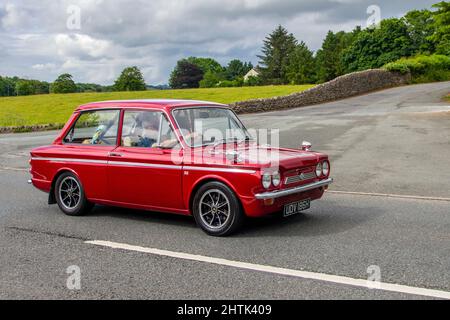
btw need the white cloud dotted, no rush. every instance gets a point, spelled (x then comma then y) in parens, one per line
(44, 66)
(81, 46)
(154, 34)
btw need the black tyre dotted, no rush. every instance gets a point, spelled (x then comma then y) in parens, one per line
(69, 195)
(217, 210)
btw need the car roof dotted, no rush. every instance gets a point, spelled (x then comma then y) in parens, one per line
(166, 104)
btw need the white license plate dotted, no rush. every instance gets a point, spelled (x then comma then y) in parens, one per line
(296, 207)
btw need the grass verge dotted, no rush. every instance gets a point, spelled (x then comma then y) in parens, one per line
(32, 113)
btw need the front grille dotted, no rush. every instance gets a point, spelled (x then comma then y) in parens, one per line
(301, 177)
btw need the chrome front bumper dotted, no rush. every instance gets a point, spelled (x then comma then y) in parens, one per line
(287, 192)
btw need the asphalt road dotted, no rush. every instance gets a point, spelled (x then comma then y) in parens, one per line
(394, 142)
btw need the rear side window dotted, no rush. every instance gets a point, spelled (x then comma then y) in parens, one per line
(95, 128)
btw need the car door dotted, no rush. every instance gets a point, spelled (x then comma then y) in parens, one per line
(143, 170)
(87, 147)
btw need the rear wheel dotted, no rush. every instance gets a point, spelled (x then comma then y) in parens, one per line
(69, 195)
(217, 210)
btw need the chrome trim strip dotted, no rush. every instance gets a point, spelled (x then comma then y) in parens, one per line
(71, 160)
(148, 165)
(231, 170)
(287, 192)
(144, 165)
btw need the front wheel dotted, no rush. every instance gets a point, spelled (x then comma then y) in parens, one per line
(217, 210)
(69, 195)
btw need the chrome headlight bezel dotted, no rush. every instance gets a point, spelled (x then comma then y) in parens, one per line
(326, 168)
(319, 171)
(276, 178)
(266, 180)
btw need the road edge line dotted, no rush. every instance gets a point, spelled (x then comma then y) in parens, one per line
(388, 195)
(279, 271)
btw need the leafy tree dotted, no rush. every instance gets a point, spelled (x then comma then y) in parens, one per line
(64, 84)
(301, 68)
(8, 86)
(329, 59)
(186, 75)
(420, 24)
(24, 88)
(441, 35)
(276, 52)
(206, 64)
(374, 48)
(211, 79)
(236, 68)
(131, 79)
(90, 87)
(253, 81)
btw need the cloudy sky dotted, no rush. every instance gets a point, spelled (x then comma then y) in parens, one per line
(41, 39)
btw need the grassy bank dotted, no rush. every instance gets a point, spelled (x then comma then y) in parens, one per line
(56, 108)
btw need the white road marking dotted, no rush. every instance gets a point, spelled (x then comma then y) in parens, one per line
(277, 270)
(13, 169)
(389, 195)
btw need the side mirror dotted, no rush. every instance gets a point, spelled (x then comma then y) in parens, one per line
(306, 146)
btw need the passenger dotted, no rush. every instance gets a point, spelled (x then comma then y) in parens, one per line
(149, 133)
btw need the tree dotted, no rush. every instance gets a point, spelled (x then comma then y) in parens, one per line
(421, 26)
(210, 80)
(236, 69)
(8, 86)
(63, 84)
(375, 47)
(441, 35)
(276, 52)
(24, 88)
(329, 59)
(206, 64)
(185, 75)
(301, 68)
(131, 79)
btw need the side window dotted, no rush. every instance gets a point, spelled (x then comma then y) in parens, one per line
(147, 129)
(95, 127)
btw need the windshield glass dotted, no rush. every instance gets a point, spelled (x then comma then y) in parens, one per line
(209, 125)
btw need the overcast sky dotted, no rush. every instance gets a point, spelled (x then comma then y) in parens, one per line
(41, 39)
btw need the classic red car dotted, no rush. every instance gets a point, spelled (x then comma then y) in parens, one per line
(186, 157)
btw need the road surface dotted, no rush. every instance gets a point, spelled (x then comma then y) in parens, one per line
(389, 210)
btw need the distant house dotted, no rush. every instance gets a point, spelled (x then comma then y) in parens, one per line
(252, 73)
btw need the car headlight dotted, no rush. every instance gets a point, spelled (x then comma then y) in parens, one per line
(276, 179)
(319, 169)
(266, 180)
(326, 168)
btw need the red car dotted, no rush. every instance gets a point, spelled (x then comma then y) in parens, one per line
(186, 157)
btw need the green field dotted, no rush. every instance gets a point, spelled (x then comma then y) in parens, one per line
(56, 108)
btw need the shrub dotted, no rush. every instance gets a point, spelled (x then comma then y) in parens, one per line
(423, 68)
(253, 81)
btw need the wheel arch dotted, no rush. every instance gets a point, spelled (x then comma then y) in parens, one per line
(204, 180)
(51, 195)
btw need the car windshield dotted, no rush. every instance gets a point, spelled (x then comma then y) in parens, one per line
(209, 125)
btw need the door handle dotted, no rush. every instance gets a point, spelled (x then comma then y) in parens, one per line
(115, 154)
